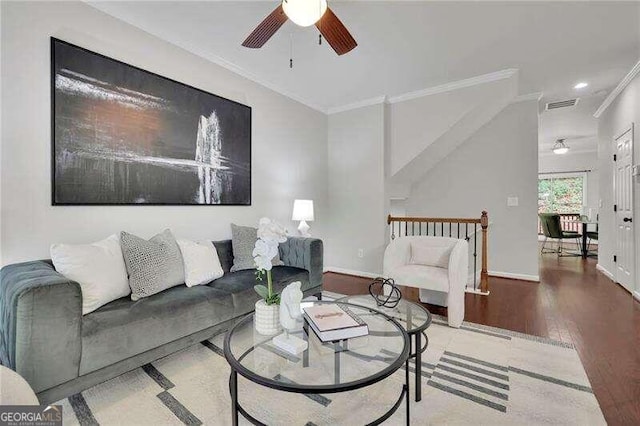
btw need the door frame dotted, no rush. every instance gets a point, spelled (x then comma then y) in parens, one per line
(634, 267)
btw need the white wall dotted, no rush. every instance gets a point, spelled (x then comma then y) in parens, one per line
(356, 190)
(424, 130)
(622, 113)
(575, 161)
(289, 139)
(499, 161)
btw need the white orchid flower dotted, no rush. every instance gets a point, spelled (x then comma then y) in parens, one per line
(269, 230)
(263, 263)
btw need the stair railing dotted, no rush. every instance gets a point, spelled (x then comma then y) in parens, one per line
(463, 228)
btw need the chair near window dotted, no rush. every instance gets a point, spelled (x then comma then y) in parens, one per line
(552, 229)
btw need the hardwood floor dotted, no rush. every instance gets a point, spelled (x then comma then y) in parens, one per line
(572, 303)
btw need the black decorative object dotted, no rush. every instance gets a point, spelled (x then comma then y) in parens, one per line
(122, 136)
(377, 291)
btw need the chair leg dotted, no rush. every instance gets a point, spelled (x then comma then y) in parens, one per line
(545, 249)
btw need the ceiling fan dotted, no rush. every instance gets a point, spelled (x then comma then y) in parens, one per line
(304, 13)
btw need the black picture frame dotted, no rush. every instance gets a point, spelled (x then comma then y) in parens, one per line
(234, 180)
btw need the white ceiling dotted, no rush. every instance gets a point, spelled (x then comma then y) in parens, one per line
(576, 124)
(408, 46)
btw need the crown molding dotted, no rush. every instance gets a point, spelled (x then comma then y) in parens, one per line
(536, 96)
(454, 85)
(360, 104)
(619, 88)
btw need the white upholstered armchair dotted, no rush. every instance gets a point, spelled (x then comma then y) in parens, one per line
(437, 266)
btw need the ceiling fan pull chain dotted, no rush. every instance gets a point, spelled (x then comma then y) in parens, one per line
(290, 50)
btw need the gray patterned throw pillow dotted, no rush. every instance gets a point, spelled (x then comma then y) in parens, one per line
(243, 240)
(154, 265)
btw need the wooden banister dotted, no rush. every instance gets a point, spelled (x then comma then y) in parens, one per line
(484, 272)
(432, 219)
(461, 230)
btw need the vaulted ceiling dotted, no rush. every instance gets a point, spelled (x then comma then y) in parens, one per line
(407, 46)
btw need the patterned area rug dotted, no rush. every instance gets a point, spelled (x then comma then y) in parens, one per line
(472, 375)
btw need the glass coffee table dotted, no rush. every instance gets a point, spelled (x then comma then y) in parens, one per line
(413, 317)
(323, 368)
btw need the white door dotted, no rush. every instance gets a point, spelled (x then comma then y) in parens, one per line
(623, 194)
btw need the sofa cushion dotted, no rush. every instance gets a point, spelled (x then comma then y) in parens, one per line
(428, 277)
(98, 268)
(225, 254)
(430, 255)
(240, 285)
(124, 328)
(154, 265)
(243, 240)
(201, 263)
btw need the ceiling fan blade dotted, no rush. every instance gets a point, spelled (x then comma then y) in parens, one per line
(266, 29)
(336, 34)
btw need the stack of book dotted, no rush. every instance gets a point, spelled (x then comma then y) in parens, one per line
(333, 321)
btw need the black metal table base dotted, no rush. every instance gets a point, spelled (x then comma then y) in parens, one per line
(417, 355)
(237, 409)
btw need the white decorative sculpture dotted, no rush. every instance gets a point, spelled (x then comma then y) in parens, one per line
(290, 314)
(291, 319)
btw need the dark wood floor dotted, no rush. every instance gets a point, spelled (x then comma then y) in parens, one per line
(572, 303)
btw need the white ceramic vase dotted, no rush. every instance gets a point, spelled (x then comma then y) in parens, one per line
(267, 318)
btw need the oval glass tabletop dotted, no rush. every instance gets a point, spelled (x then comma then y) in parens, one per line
(325, 367)
(412, 316)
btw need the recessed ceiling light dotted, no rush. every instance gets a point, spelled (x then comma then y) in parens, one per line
(581, 85)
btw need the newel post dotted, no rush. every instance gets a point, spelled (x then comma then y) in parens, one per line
(484, 274)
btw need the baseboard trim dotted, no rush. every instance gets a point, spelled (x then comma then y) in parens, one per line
(498, 274)
(604, 271)
(352, 272)
(477, 291)
(512, 276)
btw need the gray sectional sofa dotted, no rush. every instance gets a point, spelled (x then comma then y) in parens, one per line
(47, 340)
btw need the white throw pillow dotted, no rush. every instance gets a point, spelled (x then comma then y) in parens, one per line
(201, 262)
(97, 267)
(422, 254)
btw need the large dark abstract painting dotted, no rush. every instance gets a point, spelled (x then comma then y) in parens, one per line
(122, 135)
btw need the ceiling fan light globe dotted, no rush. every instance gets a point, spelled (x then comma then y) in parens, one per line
(560, 150)
(304, 12)
(560, 147)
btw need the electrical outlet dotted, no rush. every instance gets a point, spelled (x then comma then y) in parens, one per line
(360, 253)
(512, 201)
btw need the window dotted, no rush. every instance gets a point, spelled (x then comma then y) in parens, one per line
(561, 193)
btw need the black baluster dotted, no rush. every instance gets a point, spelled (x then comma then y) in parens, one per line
(450, 224)
(475, 253)
(442, 229)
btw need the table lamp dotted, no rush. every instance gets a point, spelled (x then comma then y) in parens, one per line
(303, 211)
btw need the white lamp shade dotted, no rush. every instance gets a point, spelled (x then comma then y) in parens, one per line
(302, 210)
(304, 12)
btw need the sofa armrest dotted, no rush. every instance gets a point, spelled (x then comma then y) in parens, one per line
(395, 255)
(40, 324)
(458, 273)
(304, 253)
